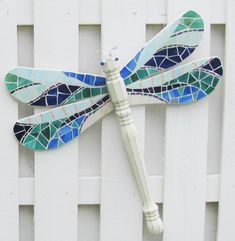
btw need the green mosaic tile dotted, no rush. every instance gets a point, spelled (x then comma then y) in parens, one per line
(142, 73)
(39, 146)
(204, 86)
(191, 79)
(134, 77)
(23, 82)
(86, 93)
(11, 78)
(46, 132)
(95, 91)
(29, 138)
(104, 90)
(191, 14)
(215, 81)
(209, 90)
(208, 80)
(183, 78)
(11, 87)
(127, 81)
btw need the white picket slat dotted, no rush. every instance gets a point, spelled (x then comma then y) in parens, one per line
(25, 15)
(56, 46)
(226, 218)
(9, 213)
(186, 152)
(217, 16)
(155, 11)
(89, 12)
(122, 26)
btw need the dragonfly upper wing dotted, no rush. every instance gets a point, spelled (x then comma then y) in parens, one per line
(54, 128)
(182, 85)
(168, 48)
(40, 87)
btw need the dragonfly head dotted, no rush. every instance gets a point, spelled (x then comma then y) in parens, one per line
(109, 64)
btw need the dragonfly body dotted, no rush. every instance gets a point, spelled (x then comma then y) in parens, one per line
(117, 91)
(150, 77)
(119, 97)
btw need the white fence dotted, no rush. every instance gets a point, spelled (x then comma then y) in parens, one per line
(85, 191)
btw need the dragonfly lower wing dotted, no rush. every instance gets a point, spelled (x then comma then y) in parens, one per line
(56, 127)
(183, 85)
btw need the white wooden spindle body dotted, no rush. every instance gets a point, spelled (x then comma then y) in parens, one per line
(118, 95)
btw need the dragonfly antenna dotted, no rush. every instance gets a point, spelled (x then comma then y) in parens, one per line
(110, 56)
(104, 57)
(111, 51)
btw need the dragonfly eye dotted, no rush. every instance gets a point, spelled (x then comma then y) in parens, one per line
(102, 63)
(116, 59)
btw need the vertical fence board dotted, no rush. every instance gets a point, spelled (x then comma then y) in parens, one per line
(9, 214)
(89, 11)
(121, 209)
(226, 229)
(186, 153)
(24, 12)
(56, 46)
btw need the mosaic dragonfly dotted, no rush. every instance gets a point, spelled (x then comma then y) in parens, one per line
(83, 99)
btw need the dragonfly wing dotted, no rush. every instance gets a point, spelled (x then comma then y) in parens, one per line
(40, 87)
(168, 48)
(56, 127)
(182, 85)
